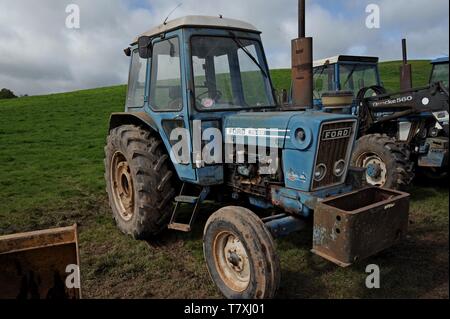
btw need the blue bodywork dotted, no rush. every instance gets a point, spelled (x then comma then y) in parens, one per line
(298, 158)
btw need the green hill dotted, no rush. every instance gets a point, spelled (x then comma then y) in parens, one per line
(51, 155)
(390, 74)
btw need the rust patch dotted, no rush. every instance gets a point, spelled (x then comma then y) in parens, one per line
(34, 264)
(355, 226)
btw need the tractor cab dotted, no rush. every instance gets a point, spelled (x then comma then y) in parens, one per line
(206, 63)
(344, 73)
(197, 68)
(212, 72)
(439, 72)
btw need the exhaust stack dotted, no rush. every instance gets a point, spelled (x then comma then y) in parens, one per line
(302, 64)
(405, 70)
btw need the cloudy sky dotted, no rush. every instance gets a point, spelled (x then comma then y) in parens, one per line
(39, 55)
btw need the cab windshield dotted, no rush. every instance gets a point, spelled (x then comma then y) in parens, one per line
(230, 73)
(354, 77)
(440, 73)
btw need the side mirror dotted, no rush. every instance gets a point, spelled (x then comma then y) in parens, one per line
(145, 47)
(127, 51)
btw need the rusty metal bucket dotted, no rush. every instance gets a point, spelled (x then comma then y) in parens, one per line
(358, 225)
(33, 265)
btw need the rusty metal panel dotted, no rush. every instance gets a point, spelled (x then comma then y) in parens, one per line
(33, 265)
(302, 76)
(405, 77)
(405, 70)
(358, 225)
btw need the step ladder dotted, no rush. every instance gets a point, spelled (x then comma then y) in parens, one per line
(192, 200)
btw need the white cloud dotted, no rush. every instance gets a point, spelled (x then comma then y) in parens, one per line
(39, 55)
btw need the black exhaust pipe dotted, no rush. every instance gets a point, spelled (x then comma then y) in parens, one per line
(405, 70)
(302, 64)
(301, 19)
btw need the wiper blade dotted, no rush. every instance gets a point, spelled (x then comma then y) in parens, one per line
(239, 44)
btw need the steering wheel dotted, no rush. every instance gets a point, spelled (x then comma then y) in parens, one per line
(365, 115)
(217, 96)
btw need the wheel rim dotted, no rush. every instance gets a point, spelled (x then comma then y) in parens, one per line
(376, 173)
(232, 261)
(122, 186)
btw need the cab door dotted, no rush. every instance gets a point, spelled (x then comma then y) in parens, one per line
(167, 100)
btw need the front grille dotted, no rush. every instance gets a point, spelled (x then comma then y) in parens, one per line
(336, 141)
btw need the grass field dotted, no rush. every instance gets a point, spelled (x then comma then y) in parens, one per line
(52, 175)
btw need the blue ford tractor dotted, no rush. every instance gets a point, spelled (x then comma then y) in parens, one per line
(205, 80)
(399, 133)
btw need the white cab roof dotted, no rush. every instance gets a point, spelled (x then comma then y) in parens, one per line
(200, 21)
(329, 60)
(345, 58)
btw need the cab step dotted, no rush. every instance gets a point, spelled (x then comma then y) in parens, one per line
(185, 199)
(180, 227)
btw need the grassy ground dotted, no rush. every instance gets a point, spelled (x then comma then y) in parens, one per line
(52, 175)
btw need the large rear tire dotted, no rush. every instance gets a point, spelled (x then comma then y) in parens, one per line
(240, 254)
(139, 181)
(387, 162)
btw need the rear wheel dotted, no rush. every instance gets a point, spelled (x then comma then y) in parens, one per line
(387, 163)
(139, 181)
(240, 254)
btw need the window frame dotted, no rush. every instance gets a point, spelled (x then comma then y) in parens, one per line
(151, 106)
(435, 67)
(367, 64)
(263, 64)
(330, 72)
(135, 53)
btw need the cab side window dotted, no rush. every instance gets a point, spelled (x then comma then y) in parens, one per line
(323, 80)
(136, 83)
(165, 90)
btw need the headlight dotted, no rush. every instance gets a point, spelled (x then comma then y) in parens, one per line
(300, 135)
(320, 172)
(339, 168)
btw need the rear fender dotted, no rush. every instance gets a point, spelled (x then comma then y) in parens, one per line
(184, 172)
(137, 118)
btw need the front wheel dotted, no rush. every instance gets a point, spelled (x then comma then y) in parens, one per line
(387, 163)
(240, 254)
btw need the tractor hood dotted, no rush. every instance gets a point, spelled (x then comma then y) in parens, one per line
(277, 127)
